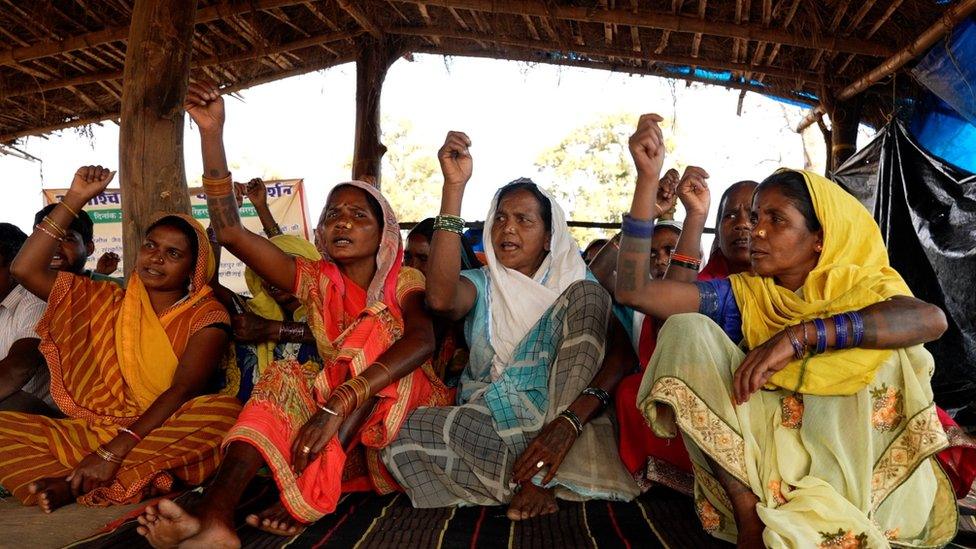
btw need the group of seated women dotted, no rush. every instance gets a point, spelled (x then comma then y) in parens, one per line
(792, 365)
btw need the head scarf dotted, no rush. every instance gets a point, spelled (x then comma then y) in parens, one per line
(517, 302)
(389, 256)
(852, 273)
(263, 304)
(145, 353)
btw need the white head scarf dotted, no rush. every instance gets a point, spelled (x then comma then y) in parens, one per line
(515, 301)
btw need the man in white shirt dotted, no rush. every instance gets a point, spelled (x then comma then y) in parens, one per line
(24, 377)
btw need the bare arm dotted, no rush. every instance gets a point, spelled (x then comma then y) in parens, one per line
(257, 192)
(634, 286)
(19, 366)
(897, 323)
(554, 441)
(30, 267)
(448, 293)
(403, 357)
(206, 107)
(695, 197)
(197, 366)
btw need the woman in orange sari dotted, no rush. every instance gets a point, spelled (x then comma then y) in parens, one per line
(319, 429)
(128, 368)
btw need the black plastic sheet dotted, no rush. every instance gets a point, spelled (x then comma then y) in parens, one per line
(927, 213)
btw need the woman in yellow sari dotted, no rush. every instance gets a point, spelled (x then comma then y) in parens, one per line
(820, 431)
(128, 368)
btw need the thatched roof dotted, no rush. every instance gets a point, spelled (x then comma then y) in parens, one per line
(61, 61)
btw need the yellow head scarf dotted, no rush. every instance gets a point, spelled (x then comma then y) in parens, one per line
(263, 304)
(852, 273)
(145, 353)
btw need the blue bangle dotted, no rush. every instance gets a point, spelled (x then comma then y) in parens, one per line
(857, 328)
(818, 323)
(637, 227)
(840, 326)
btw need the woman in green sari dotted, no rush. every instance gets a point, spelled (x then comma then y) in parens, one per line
(820, 430)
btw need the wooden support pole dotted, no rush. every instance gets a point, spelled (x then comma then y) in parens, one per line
(845, 117)
(372, 62)
(157, 70)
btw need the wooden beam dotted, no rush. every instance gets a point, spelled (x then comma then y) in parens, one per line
(372, 62)
(113, 34)
(950, 18)
(362, 18)
(533, 56)
(666, 21)
(250, 55)
(157, 69)
(620, 53)
(114, 115)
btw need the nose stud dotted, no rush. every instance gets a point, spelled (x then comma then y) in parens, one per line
(345, 225)
(761, 233)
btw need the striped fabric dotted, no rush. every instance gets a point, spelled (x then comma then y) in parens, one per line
(79, 335)
(185, 447)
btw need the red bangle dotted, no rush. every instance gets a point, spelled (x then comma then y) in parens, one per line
(686, 258)
(131, 433)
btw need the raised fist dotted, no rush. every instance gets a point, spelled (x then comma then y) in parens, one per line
(647, 145)
(205, 106)
(90, 181)
(693, 191)
(257, 192)
(107, 264)
(455, 159)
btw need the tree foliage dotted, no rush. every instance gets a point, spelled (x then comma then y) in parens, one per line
(590, 171)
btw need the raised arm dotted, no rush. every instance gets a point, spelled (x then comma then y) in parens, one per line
(196, 367)
(30, 267)
(448, 293)
(257, 193)
(634, 286)
(696, 198)
(206, 107)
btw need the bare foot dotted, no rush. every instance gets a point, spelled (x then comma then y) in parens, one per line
(276, 520)
(531, 501)
(167, 525)
(51, 493)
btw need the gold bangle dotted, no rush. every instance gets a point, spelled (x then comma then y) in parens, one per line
(360, 388)
(41, 228)
(346, 397)
(69, 208)
(57, 228)
(218, 187)
(107, 455)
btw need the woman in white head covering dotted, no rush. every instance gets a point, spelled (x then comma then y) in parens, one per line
(529, 424)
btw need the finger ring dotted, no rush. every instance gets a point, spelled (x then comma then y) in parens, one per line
(306, 449)
(539, 464)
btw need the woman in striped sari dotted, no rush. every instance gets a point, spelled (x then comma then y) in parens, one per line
(318, 428)
(128, 368)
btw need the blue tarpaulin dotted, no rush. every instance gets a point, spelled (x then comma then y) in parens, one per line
(944, 123)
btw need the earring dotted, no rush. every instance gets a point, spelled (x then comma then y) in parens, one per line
(819, 248)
